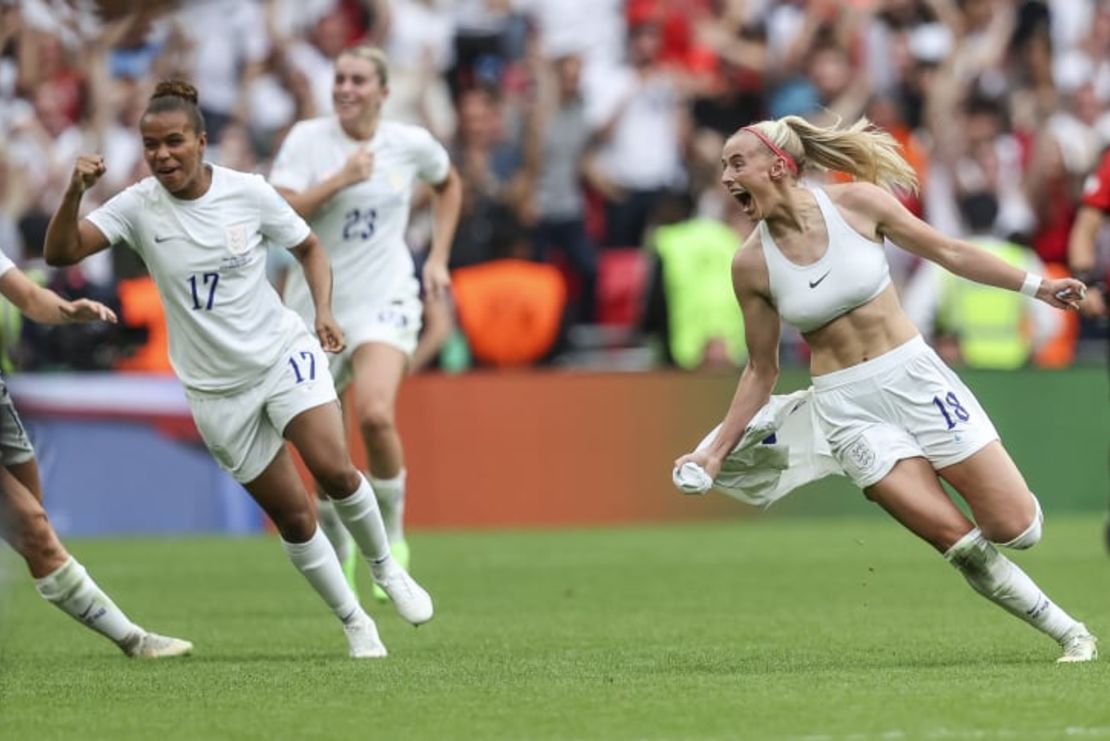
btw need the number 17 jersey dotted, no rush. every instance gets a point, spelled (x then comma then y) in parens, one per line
(227, 325)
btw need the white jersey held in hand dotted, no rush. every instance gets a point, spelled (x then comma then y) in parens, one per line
(363, 225)
(782, 449)
(227, 325)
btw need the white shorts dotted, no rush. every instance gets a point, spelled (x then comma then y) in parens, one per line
(15, 447)
(244, 430)
(903, 404)
(395, 322)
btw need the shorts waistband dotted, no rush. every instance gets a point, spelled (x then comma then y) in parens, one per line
(873, 367)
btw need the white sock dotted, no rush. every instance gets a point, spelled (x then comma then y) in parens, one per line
(1001, 581)
(74, 592)
(391, 500)
(338, 536)
(360, 514)
(316, 559)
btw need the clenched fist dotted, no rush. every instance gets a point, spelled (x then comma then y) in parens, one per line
(87, 171)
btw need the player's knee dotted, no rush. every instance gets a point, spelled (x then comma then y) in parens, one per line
(1024, 535)
(338, 480)
(375, 419)
(295, 526)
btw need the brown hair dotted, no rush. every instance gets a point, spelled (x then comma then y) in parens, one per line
(862, 150)
(177, 95)
(372, 54)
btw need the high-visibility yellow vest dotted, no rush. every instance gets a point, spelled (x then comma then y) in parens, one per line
(991, 324)
(697, 278)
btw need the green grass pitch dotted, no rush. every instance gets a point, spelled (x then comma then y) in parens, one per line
(771, 628)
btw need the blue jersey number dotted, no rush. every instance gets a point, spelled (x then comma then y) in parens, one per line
(308, 357)
(209, 281)
(951, 403)
(359, 224)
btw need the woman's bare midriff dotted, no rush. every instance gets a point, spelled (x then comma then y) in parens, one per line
(863, 334)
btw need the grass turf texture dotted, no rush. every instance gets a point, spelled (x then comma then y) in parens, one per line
(763, 629)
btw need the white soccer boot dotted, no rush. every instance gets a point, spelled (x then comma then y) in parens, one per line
(409, 598)
(153, 646)
(1078, 647)
(363, 641)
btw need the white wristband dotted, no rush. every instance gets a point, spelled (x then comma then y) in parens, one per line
(1031, 285)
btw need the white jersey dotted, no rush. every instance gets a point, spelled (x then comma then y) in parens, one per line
(227, 325)
(363, 225)
(6, 264)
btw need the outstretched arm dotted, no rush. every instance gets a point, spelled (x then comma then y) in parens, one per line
(895, 222)
(761, 329)
(67, 240)
(46, 307)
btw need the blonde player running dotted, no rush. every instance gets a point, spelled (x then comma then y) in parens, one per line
(351, 175)
(897, 419)
(59, 577)
(252, 371)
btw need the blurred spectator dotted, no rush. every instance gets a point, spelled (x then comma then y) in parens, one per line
(419, 40)
(640, 121)
(557, 145)
(494, 182)
(691, 304)
(974, 324)
(1089, 243)
(227, 45)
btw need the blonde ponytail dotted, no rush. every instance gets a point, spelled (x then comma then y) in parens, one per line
(861, 150)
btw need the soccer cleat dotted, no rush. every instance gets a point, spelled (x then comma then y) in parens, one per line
(153, 646)
(400, 551)
(350, 568)
(1079, 647)
(363, 641)
(409, 598)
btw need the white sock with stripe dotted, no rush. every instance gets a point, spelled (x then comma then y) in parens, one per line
(1000, 580)
(74, 592)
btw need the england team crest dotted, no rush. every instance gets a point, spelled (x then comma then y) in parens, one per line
(236, 238)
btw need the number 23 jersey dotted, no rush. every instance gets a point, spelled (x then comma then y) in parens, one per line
(362, 225)
(227, 325)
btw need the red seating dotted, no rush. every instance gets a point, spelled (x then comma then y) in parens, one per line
(622, 278)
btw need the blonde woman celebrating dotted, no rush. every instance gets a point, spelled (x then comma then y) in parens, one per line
(897, 419)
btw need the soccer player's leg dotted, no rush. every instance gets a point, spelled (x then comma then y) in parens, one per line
(912, 494)
(59, 578)
(379, 368)
(318, 435)
(279, 491)
(1009, 514)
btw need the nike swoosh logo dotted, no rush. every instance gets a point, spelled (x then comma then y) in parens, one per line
(160, 240)
(814, 283)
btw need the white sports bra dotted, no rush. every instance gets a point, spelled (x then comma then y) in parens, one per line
(852, 271)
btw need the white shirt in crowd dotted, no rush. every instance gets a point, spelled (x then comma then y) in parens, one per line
(227, 325)
(363, 225)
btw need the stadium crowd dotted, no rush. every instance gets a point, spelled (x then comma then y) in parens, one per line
(588, 136)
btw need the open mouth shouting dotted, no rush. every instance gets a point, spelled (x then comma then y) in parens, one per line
(744, 198)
